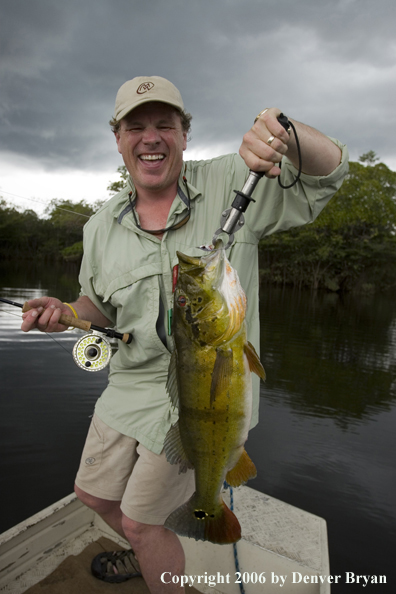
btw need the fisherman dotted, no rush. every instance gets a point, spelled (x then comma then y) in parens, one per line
(127, 277)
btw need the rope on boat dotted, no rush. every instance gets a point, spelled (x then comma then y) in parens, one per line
(234, 546)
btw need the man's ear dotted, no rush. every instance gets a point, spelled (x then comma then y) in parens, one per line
(118, 138)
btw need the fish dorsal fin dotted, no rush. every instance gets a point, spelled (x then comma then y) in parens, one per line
(172, 386)
(174, 450)
(221, 374)
(243, 470)
(254, 362)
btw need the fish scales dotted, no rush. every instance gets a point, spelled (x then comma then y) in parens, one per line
(210, 382)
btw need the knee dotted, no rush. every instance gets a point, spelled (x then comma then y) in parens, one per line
(100, 506)
(139, 534)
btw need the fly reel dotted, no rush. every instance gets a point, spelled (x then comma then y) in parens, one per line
(92, 352)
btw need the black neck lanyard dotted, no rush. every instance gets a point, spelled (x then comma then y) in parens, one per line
(172, 227)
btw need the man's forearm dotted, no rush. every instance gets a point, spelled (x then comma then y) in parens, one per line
(319, 155)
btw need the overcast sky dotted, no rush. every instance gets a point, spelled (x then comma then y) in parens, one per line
(330, 64)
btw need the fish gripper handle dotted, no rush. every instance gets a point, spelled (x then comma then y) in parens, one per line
(241, 201)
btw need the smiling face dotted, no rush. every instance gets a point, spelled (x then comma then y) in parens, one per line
(151, 141)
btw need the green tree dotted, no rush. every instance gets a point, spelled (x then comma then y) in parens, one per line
(117, 186)
(352, 243)
(67, 220)
(25, 235)
(20, 232)
(370, 158)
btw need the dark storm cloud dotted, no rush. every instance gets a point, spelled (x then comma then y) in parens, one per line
(329, 64)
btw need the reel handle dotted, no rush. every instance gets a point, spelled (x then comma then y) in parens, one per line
(84, 325)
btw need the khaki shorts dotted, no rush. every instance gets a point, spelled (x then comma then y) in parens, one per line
(117, 468)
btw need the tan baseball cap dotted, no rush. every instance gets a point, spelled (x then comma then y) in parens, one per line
(142, 89)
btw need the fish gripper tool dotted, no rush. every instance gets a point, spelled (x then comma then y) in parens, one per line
(232, 219)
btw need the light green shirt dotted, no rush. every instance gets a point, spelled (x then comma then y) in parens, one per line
(126, 271)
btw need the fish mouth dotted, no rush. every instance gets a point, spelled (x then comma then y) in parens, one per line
(209, 261)
(189, 260)
(204, 271)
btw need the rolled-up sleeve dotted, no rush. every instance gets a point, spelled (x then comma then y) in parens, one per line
(279, 209)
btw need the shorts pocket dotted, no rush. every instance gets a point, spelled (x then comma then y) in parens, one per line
(92, 455)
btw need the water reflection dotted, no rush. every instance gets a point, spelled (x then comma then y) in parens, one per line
(46, 401)
(333, 356)
(345, 476)
(325, 441)
(52, 278)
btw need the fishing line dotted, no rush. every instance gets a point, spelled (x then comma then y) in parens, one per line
(45, 204)
(61, 345)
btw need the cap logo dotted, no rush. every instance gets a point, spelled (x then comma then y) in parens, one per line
(144, 87)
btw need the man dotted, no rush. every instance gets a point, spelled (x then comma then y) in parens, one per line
(127, 279)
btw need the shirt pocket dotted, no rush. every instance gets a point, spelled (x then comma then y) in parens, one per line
(136, 297)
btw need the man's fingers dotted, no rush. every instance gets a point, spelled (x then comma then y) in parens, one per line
(45, 320)
(264, 145)
(273, 173)
(30, 319)
(258, 155)
(268, 121)
(49, 319)
(277, 145)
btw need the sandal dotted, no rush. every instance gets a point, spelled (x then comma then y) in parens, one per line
(116, 566)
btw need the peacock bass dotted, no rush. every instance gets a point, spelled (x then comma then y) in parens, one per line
(210, 382)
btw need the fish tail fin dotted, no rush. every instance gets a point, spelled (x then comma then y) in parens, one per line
(243, 470)
(219, 527)
(225, 529)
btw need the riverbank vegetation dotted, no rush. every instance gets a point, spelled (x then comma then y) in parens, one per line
(351, 246)
(56, 236)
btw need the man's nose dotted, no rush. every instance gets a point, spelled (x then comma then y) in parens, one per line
(151, 135)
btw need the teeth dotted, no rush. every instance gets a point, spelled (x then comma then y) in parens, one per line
(152, 157)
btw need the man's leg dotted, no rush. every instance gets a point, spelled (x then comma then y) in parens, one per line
(114, 467)
(159, 552)
(109, 511)
(157, 549)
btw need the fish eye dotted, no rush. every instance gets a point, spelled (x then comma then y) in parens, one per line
(181, 300)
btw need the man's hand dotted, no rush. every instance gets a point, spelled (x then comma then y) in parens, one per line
(265, 144)
(46, 311)
(44, 315)
(319, 155)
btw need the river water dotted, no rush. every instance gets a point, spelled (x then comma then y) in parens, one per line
(326, 437)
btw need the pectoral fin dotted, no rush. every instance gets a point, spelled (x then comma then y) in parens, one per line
(174, 449)
(254, 361)
(221, 374)
(243, 470)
